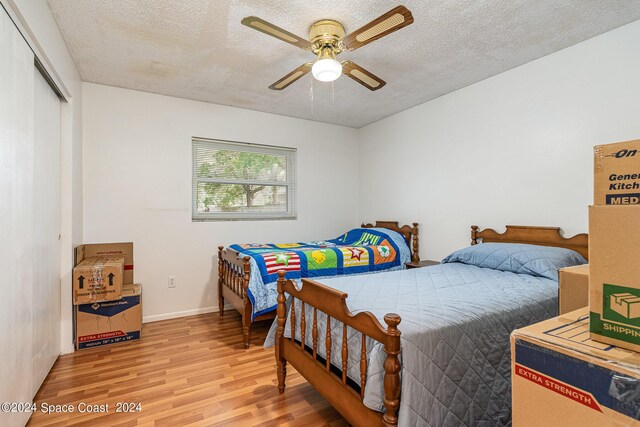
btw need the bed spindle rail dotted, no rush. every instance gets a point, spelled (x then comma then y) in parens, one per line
(303, 326)
(293, 319)
(314, 332)
(328, 343)
(332, 380)
(281, 363)
(363, 365)
(345, 354)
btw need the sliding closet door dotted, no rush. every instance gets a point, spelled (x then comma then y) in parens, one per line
(46, 230)
(16, 220)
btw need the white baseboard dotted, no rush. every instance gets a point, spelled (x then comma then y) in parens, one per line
(176, 314)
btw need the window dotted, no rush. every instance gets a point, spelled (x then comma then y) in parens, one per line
(233, 180)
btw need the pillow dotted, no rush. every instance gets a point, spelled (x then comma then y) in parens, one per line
(542, 261)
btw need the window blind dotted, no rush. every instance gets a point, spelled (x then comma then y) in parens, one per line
(233, 180)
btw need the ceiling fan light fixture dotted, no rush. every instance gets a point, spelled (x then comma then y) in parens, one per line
(326, 68)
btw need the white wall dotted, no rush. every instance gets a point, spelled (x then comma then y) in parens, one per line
(38, 26)
(513, 149)
(137, 187)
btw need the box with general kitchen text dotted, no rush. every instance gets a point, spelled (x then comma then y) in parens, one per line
(109, 322)
(97, 279)
(614, 275)
(617, 173)
(573, 288)
(560, 377)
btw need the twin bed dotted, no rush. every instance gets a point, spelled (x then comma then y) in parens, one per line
(247, 273)
(442, 356)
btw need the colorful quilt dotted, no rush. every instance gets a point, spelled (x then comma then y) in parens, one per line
(358, 251)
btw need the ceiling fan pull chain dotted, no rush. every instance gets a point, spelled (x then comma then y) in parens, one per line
(333, 94)
(311, 96)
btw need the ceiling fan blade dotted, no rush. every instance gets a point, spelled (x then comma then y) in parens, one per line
(391, 21)
(362, 76)
(292, 77)
(274, 31)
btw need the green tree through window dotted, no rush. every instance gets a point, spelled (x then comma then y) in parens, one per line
(240, 179)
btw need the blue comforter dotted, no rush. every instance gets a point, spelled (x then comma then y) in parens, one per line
(456, 321)
(358, 251)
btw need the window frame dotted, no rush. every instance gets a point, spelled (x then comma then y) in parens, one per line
(288, 152)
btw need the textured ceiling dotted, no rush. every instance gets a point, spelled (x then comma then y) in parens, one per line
(198, 49)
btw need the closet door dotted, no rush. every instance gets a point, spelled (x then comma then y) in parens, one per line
(16, 220)
(46, 230)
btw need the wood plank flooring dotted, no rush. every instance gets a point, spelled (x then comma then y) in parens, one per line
(190, 371)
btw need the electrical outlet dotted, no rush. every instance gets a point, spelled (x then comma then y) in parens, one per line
(172, 281)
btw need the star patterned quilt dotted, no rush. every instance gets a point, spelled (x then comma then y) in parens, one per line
(358, 251)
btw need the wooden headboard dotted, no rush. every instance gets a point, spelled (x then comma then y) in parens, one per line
(409, 232)
(545, 236)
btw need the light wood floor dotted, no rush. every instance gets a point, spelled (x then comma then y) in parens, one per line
(188, 371)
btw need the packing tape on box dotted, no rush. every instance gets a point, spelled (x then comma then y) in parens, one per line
(598, 158)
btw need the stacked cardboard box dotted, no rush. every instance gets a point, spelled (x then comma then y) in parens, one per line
(124, 250)
(573, 288)
(560, 377)
(98, 279)
(614, 246)
(107, 303)
(565, 371)
(110, 322)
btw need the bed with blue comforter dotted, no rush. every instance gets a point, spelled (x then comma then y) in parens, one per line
(358, 251)
(456, 321)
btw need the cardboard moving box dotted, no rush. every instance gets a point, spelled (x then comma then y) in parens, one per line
(617, 173)
(614, 275)
(562, 378)
(98, 279)
(109, 249)
(109, 322)
(573, 288)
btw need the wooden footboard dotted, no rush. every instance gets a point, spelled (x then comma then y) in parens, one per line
(330, 381)
(233, 281)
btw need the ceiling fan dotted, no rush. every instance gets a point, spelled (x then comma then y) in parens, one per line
(327, 39)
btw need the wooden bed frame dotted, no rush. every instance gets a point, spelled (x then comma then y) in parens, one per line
(234, 272)
(545, 236)
(330, 381)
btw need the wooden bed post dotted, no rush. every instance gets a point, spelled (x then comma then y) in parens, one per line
(474, 234)
(247, 311)
(392, 370)
(415, 257)
(282, 314)
(220, 296)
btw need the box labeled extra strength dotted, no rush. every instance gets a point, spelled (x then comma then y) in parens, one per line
(560, 377)
(109, 322)
(617, 173)
(614, 275)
